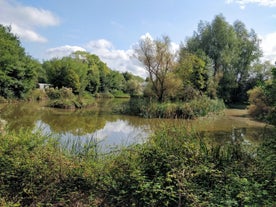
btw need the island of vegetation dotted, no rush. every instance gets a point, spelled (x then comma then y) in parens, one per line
(218, 66)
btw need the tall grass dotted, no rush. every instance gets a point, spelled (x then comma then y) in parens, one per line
(173, 168)
(187, 110)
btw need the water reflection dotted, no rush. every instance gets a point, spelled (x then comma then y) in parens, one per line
(99, 124)
(111, 135)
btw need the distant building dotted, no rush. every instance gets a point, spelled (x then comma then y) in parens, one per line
(42, 86)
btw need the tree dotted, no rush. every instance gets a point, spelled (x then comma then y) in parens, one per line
(18, 71)
(232, 50)
(133, 84)
(159, 61)
(247, 52)
(67, 72)
(191, 69)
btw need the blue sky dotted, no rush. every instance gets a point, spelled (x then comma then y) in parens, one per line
(110, 28)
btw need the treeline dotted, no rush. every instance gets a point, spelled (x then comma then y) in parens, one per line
(220, 61)
(85, 72)
(81, 71)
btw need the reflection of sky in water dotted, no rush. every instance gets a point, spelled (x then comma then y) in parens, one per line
(112, 135)
(120, 132)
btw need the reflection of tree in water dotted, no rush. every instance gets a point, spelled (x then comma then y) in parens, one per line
(20, 115)
(239, 135)
(73, 122)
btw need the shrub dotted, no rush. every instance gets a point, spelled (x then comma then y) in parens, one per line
(173, 168)
(187, 110)
(35, 172)
(104, 95)
(119, 94)
(63, 93)
(258, 100)
(3, 100)
(37, 95)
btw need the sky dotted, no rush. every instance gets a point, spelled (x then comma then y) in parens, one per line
(111, 28)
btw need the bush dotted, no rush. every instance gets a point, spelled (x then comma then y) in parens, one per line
(173, 168)
(65, 99)
(35, 172)
(259, 103)
(104, 95)
(3, 100)
(37, 95)
(119, 94)
(187, 110)
(63, 93)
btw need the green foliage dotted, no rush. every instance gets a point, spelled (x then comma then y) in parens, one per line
(84, 72)
(37, 95)
(146, 108)
(18, 71)
(65, 98)
(35, 172)
(66, 72)
(173, 168)
(259, 105)
(262, 100)
(192, 70)
(104, 95)
(159, 62)
(232, 49)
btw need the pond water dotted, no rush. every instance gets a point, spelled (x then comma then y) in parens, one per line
(109, 130)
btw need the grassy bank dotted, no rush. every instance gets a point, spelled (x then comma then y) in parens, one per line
(183, 110)
(174, 168)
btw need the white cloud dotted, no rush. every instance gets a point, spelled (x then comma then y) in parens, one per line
(25, 19)
(243, 3)
(27, 34)
(120, 60)
(62, 51)
(268, 45)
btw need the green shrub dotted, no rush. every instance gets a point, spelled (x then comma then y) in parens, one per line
(259, 107)
(63, 93)
(3, 100)
(187, 110)
(173, 168)
(119, 94)
(104, 95)
(35, 172)
(37, 95)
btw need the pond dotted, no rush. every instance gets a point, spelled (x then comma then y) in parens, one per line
(110, 131)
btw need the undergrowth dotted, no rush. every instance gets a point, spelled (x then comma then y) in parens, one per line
(173, 168)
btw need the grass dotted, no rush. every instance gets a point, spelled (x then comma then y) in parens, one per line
(173, 168)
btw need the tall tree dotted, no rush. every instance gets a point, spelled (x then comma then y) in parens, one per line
(247, 51)
(232, 49)
(68, 72)
(159, 61)
(18, 71)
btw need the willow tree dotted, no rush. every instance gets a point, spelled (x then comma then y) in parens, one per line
(159, 61)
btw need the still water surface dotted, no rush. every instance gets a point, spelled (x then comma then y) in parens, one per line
(110, 130)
